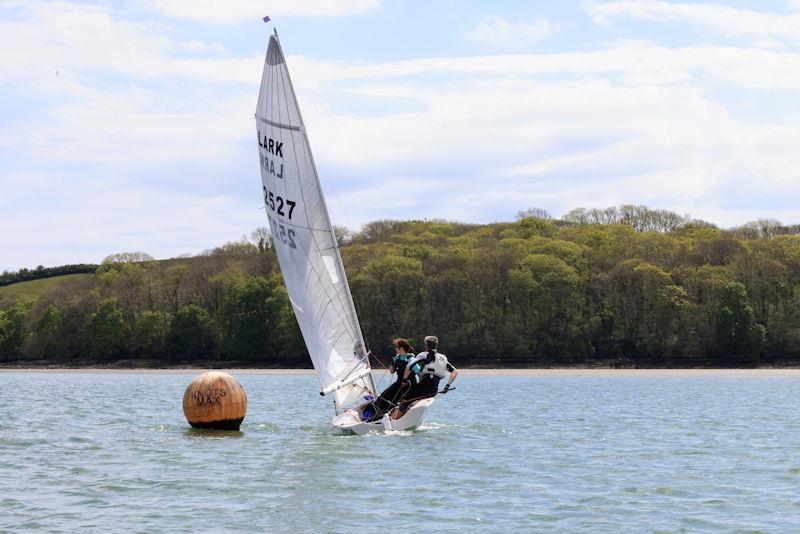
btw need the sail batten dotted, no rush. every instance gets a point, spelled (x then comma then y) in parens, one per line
(304, 240)
(279, 125)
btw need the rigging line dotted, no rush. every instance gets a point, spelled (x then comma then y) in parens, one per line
(338, 264)
(412, 400)
(330, 183)
(274, 85)
(358, 334)
(385, 309)
(326, 176)
(380, 296)
(280, 68)
(379, 360)
(321, 279)
(383, 376)
(348, 327)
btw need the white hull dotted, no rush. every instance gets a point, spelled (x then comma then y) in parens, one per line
(350, 420)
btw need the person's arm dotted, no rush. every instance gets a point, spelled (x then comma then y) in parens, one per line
(392, 366)
(411, 364)
(453, 375)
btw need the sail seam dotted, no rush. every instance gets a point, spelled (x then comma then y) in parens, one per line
(295, 225)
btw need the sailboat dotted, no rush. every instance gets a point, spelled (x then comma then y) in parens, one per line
(309, 258)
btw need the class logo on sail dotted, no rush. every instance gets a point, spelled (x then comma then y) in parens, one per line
(273, 147)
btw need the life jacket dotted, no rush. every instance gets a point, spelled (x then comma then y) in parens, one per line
(402, 358)
(437, 366)
(401, 361)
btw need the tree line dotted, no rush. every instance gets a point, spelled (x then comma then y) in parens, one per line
(623, 286)
(24, 275)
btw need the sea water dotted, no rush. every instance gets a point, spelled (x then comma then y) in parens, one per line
(569, 453)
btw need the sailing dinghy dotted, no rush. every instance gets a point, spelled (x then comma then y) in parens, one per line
(309, 257)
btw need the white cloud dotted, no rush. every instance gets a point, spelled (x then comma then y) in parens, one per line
(91, 42)
(135, 138)
(88, 116)
(128, 128)
(85, 220)
(629, 61)
(479, 138)
(232, 11)
(637, 123)
(498, 31)
(762, 29)
(199, 46)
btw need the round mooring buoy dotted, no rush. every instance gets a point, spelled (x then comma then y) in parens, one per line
(215, 400)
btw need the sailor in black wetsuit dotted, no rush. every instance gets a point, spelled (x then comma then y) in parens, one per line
(433, 365)
(395, 393)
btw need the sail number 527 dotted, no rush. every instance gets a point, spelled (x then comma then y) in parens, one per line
(282, 207)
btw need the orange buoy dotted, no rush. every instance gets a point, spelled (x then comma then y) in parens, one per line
(215, 400)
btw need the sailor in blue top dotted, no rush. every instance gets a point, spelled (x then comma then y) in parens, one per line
(395, 393)
(433, 366)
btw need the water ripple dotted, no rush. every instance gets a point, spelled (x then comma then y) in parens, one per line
(585, 454)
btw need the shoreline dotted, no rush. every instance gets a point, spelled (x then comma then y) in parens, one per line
(781, 372)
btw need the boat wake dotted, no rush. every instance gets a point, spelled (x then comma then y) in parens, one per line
(432, 426)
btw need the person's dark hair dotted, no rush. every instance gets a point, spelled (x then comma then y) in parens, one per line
(403, 343)
(431, 342)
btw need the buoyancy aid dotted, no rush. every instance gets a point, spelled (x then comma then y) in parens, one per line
(401, 361)
(437, 365)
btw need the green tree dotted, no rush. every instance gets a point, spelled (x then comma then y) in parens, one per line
(105, 331)
(547, 298)
(12, 331)
(149, 333)
(172, 282)
(48, 341)
(250, 319)
(648, 309)
(738, 338)
(127, 257)
(192, 333)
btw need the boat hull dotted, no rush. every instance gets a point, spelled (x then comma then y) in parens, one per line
(350, 420)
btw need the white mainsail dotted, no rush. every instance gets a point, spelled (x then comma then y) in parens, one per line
(304, 240)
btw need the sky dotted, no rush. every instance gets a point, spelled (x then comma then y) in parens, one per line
(128, 126)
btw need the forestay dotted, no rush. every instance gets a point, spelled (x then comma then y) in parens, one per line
(304, 240)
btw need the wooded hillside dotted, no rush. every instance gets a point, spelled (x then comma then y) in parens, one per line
(625, 286)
